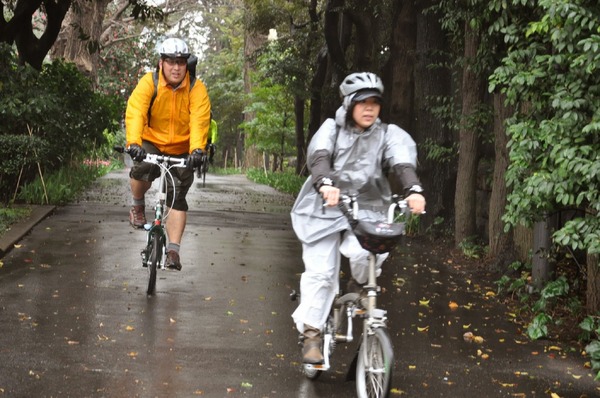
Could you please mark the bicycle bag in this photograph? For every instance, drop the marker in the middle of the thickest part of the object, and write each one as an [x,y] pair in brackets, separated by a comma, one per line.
[378,237]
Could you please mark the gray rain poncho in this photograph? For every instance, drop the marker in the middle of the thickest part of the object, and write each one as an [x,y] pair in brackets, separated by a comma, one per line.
[359,161]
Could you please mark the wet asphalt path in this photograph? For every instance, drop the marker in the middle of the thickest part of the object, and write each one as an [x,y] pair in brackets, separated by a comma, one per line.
[75,320]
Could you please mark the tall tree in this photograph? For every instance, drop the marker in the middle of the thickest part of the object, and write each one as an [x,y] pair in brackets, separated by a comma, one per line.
[20,29]
[551,78]
[472,89]
[79,39]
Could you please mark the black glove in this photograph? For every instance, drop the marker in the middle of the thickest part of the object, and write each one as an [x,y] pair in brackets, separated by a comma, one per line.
[136,152]
[195,159]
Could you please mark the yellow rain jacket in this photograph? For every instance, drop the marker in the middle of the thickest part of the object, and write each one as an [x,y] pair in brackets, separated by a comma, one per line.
[179,119]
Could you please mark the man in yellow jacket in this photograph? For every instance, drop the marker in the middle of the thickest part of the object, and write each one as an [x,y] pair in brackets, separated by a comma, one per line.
[176,125]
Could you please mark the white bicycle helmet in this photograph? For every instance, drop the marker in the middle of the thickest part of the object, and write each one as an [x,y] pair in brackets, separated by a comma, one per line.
[361,81]
[174,48]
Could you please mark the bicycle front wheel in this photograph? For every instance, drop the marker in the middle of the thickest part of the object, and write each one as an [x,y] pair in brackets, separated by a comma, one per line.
[155,258]
[374,365]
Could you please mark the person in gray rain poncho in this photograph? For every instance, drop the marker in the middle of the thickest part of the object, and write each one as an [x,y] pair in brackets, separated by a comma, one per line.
[347,154]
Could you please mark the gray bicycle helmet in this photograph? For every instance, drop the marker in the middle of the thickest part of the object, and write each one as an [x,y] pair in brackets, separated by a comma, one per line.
[174,48]
[364,82]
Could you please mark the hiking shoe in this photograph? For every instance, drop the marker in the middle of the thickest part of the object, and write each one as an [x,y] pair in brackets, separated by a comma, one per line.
[311,348]
[137,216]
[173,261]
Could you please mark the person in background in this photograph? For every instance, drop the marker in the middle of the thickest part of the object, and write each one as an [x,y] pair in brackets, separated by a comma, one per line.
[348,153]
[177,126]
[213,136]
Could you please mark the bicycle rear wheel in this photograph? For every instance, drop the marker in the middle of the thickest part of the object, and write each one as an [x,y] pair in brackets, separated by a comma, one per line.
[374,366]
[155,258]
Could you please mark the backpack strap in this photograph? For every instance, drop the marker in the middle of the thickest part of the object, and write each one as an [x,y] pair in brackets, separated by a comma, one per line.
[155,78]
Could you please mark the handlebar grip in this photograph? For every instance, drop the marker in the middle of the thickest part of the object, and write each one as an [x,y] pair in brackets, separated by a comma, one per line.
[120,149]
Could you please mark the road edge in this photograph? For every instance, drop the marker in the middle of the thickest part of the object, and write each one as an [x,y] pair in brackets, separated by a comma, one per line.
[22,228]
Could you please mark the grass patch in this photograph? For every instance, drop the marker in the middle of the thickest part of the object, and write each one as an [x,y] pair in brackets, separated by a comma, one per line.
[64,185]
[223,172]
[287,181]
[12,215]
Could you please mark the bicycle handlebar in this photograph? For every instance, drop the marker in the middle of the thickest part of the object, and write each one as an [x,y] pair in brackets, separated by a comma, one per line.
[348,204]
[156,159]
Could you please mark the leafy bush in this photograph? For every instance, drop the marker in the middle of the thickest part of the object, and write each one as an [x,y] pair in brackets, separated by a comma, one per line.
[287,182]
[63,185]
[19,155]
[58,107]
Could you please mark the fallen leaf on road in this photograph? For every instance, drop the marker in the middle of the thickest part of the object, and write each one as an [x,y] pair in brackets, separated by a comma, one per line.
[129,328]
[423,329]
[453,305]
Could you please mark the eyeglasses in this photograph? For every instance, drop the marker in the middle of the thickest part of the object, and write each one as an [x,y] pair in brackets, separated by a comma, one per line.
[175,61]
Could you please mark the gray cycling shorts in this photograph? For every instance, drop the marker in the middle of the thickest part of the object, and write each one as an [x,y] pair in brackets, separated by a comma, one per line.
[184,177]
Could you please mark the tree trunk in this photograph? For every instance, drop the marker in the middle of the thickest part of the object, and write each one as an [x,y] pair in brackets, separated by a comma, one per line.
[468,153]
[438,175]
[32,49]
[252,42]
[300,140]
[399,71]
[593,283]
[79,39]
[500,243]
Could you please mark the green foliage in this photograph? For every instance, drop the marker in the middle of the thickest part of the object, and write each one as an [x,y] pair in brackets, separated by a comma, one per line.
[271,129]
[222,70]
[551,77]
[593,350]
[19,156]
[591,332]
[555,293]
[55,110]
[287,182]
[518,285]
[63,185]
[10,215]
[471,248]
[123,63]
[439,153]
[552,291]
[538,328]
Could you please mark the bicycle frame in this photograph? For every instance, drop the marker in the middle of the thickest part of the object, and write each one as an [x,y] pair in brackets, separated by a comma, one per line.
[157,227]
[153,254]
[351,305]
